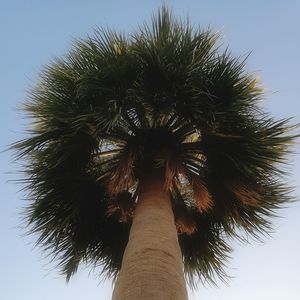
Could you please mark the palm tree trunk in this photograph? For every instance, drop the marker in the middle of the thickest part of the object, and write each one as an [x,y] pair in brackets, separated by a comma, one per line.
[152,263]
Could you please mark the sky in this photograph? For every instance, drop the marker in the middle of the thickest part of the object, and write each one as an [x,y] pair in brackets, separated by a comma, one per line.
[34,32]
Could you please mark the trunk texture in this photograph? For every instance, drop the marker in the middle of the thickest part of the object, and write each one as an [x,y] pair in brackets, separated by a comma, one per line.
[152,264]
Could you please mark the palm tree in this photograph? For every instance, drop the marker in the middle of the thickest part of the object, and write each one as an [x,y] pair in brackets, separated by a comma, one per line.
[147,154]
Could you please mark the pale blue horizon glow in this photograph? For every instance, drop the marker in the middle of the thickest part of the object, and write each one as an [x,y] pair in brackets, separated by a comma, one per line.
[34,32]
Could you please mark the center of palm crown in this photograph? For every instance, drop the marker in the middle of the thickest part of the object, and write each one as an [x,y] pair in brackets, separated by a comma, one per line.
[156,147]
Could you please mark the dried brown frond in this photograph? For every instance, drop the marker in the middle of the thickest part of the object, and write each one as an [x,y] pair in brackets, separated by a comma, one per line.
[245,194]
[122,177]
[185,224]
[123,204]
[201,195]
[172,169]
[111,209]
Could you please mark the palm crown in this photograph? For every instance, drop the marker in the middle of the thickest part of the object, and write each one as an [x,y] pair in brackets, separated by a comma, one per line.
[166,99]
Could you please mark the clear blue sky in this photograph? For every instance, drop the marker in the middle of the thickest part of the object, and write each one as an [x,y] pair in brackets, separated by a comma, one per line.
[33,32]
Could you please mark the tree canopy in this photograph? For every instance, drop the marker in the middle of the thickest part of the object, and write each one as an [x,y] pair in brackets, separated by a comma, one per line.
[166,97]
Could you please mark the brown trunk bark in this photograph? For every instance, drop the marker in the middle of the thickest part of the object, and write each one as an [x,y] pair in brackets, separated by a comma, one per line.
[152,263]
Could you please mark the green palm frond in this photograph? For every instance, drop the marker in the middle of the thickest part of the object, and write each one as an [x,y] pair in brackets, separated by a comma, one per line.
[166,97]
